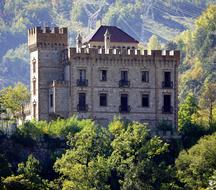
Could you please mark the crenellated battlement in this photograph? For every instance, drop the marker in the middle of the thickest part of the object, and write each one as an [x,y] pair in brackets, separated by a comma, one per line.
[124,52]
[55,30]
[47,37]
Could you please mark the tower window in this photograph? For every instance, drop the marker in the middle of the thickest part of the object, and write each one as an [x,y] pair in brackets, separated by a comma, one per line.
[103,76]
[103,99]
[34,110]
[34,65]
[145,100]
[34,86]
[51,100]
[145,76]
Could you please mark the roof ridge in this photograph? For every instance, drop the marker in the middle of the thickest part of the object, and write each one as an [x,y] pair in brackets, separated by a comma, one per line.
[118,35]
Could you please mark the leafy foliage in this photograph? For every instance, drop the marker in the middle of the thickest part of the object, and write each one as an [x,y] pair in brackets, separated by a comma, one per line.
[14,99]
[196,166]
[27,177]
[198,50]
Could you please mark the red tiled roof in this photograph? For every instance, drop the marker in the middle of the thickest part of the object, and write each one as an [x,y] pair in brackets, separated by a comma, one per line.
[117,35]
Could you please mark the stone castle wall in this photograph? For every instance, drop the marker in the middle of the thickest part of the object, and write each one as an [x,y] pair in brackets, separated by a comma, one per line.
[57,71]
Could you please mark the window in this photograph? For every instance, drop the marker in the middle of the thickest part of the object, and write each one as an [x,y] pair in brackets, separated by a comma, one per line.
[34,86]
[51,100]
[145,76]
[167,83]
[34,65]
[82,99]
[145,100]
[82,81]
[167,108]
[82,106]
[103,99]
[103,76]
[124,107]
[82,74]
[34,110]
[124,75]
[167,76]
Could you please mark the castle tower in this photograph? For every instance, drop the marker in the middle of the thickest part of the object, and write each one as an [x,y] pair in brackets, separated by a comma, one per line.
[45,46]
[107,37]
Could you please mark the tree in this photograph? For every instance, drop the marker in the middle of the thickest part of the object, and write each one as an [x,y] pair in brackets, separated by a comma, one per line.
[135,158]
[186,111]
[188,115]
[84,166]
[153,43]
[27,178]
[208,99]
[196,166]
[212,182]
[15,98]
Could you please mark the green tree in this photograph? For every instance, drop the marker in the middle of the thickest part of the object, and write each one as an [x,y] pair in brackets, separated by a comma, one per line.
[212,182]
[208,99]
[27,177]
[134,159]
[188,115]
[186,111]
[14,99]
[153,43]
[84,166]
[196,166]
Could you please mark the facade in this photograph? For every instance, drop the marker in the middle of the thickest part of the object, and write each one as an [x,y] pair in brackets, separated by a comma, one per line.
[104,76]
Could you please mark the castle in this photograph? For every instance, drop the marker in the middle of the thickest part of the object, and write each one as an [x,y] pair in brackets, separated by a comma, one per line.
[105,75]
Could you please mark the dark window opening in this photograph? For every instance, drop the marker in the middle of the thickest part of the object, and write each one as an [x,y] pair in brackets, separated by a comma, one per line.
[82,74]
[145,100]
[34,65]
[124,75]
[124,79]
[167,76]
[51,100]
[34,110]
[82,81]
[34,86]
[82,106]
[124,107]
[103,99]
[167,83]
[167,108]
[103,75]
[145,76]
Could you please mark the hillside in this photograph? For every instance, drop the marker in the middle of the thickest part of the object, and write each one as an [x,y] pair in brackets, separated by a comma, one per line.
[139,18]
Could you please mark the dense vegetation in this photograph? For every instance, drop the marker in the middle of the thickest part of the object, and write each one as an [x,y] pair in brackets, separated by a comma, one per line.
[165,19]
[78,154]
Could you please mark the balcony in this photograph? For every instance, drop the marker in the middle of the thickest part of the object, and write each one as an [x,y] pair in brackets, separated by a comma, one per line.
[82,107]
[124,109]
[167,109]
[167,84]
[124,83]
[82,82]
